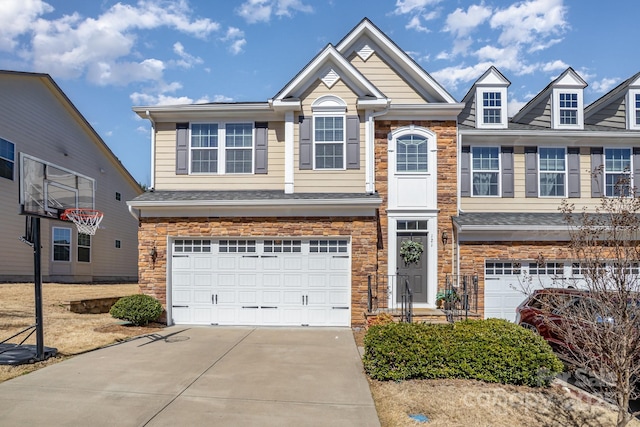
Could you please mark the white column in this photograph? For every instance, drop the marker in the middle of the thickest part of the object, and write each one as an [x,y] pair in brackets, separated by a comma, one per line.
[288,152]
[369,141]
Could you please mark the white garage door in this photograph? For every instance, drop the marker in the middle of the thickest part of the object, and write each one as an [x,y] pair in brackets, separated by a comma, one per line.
[261,282]
[506,284]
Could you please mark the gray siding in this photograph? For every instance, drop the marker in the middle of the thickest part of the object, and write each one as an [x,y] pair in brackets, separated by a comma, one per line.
[540,115]
[613,115]
[468,114]
[39,123]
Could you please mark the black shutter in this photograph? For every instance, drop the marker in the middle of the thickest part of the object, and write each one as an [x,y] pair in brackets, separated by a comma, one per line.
[261,149]
[531,171]
[306,143]
[507,171]
[465,172]
[182,148]
[353,142]
[597,172]
[573,168]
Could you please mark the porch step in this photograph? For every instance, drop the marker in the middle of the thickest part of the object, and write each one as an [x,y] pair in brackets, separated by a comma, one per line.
[420,315]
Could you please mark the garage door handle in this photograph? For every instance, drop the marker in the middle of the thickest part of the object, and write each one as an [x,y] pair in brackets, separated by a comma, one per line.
[267,306]
[268,256]
[250,256]
[341,256]
[340,308]
[180,306]
[180,256]
[250,306]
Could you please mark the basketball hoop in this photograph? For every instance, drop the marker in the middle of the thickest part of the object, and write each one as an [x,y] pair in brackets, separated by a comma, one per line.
[87,220]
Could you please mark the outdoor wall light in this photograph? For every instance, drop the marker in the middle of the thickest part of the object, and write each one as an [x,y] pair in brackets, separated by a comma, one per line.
[153,253]
[445,237]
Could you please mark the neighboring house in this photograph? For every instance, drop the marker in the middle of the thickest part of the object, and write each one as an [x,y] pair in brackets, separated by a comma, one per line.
[279,212]
[39,121]
[515,172]
[283,212]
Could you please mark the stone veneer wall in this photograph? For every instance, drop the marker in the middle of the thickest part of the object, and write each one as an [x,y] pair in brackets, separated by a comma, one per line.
[474,254]
[362,230]
[446,132]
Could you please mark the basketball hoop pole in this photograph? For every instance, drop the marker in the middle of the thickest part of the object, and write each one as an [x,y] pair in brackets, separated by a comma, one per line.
[37,278]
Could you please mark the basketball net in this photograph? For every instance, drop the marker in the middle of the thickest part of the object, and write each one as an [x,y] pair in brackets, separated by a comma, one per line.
[86,220]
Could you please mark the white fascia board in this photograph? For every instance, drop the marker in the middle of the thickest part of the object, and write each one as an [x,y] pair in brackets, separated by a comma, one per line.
[189,112]
[288,105]
[369,103]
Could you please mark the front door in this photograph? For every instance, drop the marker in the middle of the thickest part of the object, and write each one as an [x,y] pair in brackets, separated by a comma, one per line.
[416,273]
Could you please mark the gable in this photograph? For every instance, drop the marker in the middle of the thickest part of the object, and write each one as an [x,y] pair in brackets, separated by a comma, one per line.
[385,78]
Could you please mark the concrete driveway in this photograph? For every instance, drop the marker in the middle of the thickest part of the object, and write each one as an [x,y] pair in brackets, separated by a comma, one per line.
[193,376]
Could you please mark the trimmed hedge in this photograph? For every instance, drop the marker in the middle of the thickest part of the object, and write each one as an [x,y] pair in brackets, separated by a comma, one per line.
[490,350]
[138,309]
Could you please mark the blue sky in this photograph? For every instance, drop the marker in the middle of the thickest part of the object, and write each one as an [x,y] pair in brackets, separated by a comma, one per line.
[108,56]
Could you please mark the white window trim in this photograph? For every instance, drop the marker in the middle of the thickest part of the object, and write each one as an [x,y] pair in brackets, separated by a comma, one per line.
[604,168]
[472,170]
[555,109]
[540,172]
[329,106]
[632,113]
[480,124]
[53,244]
[222,147]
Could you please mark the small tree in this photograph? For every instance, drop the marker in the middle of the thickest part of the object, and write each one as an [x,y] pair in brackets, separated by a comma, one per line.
[602,331]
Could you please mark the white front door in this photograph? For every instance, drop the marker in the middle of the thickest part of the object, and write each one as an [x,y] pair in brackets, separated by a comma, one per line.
[261,282]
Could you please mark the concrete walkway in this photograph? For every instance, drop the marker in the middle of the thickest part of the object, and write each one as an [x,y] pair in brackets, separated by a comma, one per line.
[193,376]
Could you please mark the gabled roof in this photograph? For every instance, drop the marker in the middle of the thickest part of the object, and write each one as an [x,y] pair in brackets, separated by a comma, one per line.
[46,80]
[490,78]
[419,79]
[329,59]
[569,78]
[614,94]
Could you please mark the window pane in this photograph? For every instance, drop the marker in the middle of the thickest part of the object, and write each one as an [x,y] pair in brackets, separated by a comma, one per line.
[239,135]
[7,159]
[329,129]
[84,254]
[329,156]
[491,103]
[61,244]
[485,183]
[568,108]
[204,135]
[411,154]
[637,108]
[618,160]
[239,161]
[552,184]
[485,158]
[204,161]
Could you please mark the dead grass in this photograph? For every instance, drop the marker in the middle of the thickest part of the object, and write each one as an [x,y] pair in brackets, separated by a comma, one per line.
[70,333]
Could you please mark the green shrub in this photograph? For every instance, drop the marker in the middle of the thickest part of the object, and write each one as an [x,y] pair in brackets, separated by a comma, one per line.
[490,350]
[138,309]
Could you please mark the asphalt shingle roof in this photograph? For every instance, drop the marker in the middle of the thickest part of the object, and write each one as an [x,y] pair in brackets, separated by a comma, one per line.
[510,219]
[161,196]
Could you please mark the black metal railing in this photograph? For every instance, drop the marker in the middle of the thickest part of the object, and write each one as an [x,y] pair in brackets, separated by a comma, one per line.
[460,296]
[390,294]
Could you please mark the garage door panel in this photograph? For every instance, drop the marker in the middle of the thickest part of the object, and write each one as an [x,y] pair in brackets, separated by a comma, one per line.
[256,282]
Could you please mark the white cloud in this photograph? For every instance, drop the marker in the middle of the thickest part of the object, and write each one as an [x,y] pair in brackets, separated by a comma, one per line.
[604,85]
[413,6]
[186,60]
[236,38]
[261,10]
[17,18]
[530,21]
[103,48]
[221,98]
[451,77]
[462,23]
[514,105]
[142,129]
[414,24]
[554,66]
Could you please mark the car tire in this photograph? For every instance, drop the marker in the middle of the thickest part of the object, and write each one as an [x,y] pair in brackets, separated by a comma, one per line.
[529,327]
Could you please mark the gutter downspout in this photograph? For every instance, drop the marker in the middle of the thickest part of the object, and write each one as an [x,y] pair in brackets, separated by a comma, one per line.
[152,178]
[134,212]
[370,139]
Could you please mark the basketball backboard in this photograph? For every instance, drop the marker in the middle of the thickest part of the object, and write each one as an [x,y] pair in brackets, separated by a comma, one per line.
[46,190]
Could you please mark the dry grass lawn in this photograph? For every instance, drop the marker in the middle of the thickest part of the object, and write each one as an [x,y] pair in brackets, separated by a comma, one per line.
[70,333]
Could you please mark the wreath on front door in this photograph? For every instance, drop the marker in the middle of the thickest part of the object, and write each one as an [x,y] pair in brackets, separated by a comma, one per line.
[411,251]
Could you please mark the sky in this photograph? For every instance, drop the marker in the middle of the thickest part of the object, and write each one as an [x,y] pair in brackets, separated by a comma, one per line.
[108,56]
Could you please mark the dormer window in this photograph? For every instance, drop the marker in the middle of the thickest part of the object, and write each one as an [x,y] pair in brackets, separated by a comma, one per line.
[567,109]
[634,109]
[491,108]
